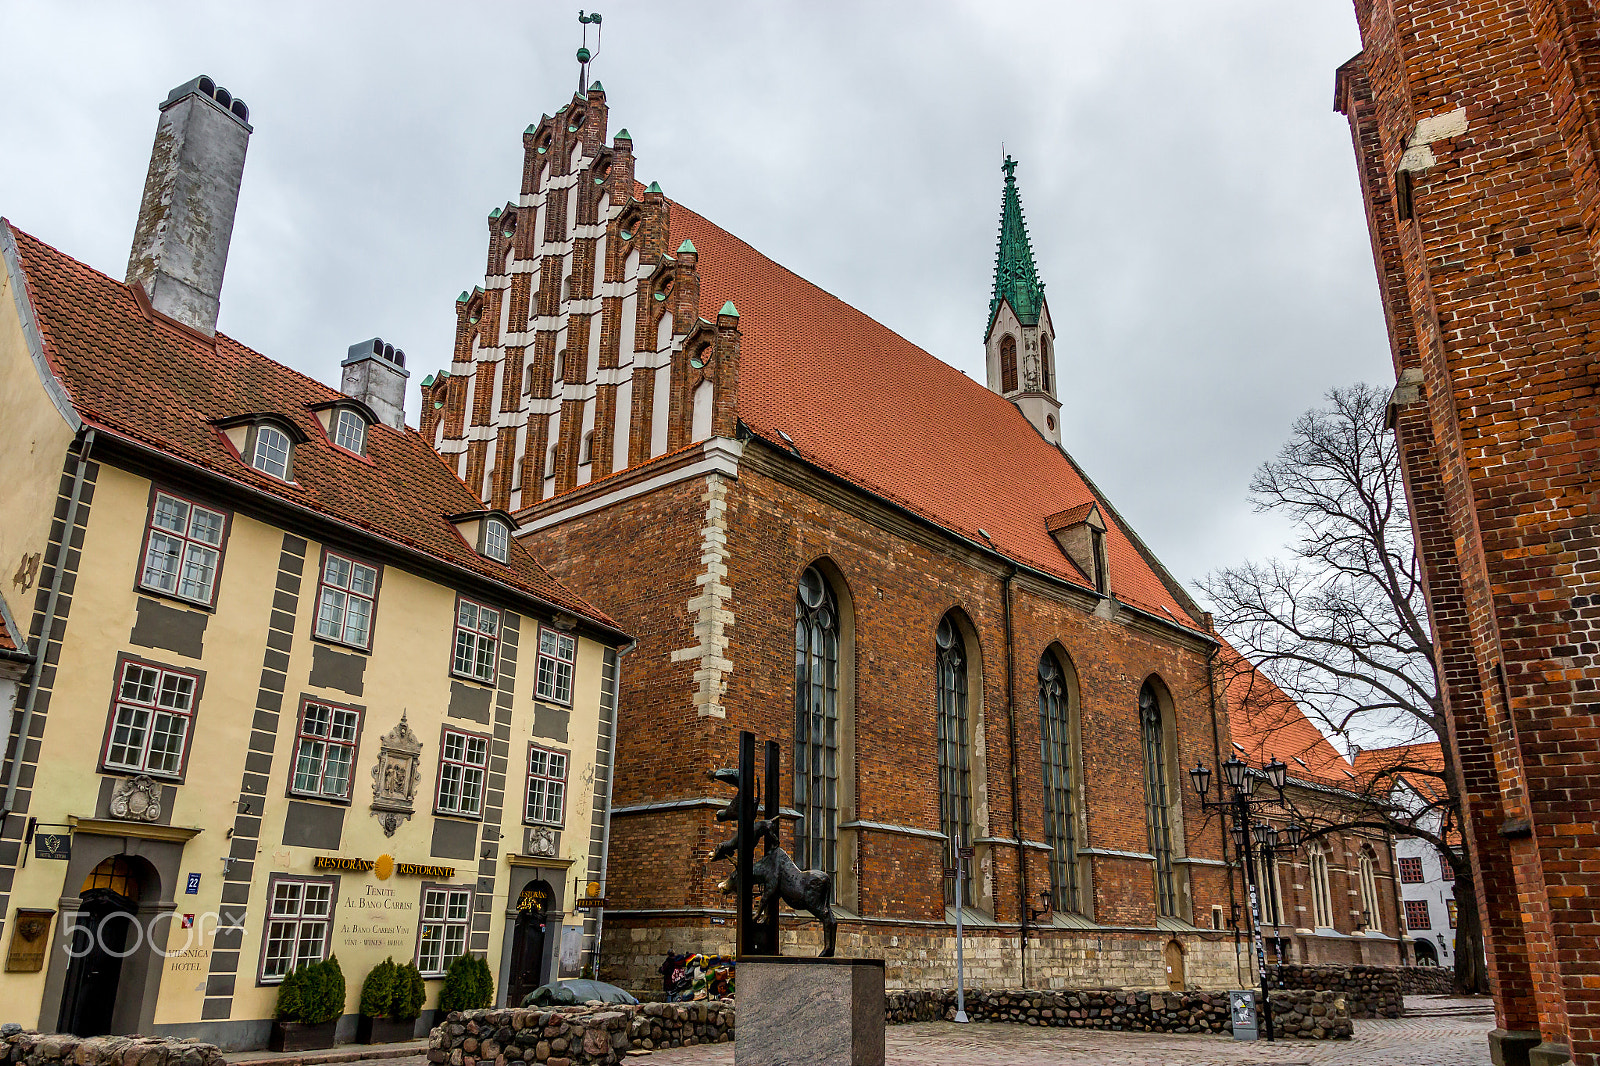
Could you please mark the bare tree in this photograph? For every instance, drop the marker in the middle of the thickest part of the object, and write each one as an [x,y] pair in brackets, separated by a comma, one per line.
[1342,628]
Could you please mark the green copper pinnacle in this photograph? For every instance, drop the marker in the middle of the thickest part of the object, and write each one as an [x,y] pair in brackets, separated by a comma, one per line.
[1016,280]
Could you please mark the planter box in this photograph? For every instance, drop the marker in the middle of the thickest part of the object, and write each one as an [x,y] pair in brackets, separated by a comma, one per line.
[384,1030]
[296,1036]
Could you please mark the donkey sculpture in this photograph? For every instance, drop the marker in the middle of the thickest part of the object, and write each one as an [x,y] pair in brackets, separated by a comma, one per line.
[777,876]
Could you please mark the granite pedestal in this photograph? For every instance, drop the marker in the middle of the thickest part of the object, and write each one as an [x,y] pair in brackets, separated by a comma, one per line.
[810,1012]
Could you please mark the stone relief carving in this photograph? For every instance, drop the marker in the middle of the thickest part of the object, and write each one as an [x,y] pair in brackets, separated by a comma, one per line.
[395,777]
[542,842]
[136,799]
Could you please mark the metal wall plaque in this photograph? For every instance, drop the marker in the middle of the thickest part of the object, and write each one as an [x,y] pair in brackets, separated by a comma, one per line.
[30,936]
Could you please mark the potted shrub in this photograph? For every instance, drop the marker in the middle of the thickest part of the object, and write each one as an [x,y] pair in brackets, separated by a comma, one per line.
[468,985]
[380,1022]
[310,1001]
[409,994]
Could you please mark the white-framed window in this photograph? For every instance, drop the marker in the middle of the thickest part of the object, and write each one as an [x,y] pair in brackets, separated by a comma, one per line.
[326,750]
[151,720]
[183,549]
[496,540]
[463,761]
[346,596]
[547,787]
[271,452]
[350,431]
[557,654]
[442,934]
[477,641]
[299,916]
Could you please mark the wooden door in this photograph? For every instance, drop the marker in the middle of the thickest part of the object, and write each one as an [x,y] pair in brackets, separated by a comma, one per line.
[1174,958]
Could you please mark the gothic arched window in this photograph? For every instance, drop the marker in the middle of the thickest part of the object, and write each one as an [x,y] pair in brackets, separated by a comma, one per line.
[1057,711]
[1321,892]
[1008,364]
[1044,362]
[1158,799]
[955,780]
[1368,867]
[816,723]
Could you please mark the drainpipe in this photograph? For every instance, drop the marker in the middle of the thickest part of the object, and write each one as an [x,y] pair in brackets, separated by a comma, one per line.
[1016,808]
[611,778]
[51,602]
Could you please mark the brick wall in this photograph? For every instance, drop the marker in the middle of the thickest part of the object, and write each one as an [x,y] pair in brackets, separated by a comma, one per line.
[1480,115]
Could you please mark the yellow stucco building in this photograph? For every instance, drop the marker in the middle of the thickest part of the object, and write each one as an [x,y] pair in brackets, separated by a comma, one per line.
[290,692]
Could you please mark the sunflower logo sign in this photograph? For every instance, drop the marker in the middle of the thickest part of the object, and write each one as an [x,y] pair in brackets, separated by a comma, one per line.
[384,867]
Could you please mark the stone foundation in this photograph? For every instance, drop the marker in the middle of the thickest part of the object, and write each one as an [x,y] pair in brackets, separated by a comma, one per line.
[573,1035]
[58,1049]
[925,957]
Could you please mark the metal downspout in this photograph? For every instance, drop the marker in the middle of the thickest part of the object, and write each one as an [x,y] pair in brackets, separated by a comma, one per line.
[46,634]
[1222,824]
[1016,809]
[611,778]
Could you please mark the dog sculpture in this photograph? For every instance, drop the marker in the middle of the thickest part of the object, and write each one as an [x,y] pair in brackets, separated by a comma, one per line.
[776,874]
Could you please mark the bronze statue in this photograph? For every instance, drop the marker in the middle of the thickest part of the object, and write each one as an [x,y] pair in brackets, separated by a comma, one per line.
[775,873]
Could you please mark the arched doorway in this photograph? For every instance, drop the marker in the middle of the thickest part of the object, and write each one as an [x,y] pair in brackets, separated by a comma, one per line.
[1176,978]
[105,931]
[530,941]
[1426,955]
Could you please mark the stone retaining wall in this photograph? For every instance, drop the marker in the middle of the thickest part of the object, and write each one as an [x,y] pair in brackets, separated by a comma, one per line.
[57,1049]
[1427,981]
[1369,991]
[572,1035]
[1300,1015]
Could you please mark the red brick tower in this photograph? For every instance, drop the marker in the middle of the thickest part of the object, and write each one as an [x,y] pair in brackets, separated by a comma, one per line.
[1475,128]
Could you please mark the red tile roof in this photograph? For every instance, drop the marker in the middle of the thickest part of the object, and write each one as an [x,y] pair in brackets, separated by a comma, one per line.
[144,378]
[1268,724]
[1400,760]
[869,406]
[1068,518]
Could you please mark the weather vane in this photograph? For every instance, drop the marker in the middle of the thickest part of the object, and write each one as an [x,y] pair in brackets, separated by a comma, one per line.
[584,55]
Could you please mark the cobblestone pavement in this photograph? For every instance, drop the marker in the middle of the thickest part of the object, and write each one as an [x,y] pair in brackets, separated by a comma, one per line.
[1450,1041]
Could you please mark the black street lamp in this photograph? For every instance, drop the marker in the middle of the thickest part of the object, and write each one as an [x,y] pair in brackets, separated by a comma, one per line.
[1238,800]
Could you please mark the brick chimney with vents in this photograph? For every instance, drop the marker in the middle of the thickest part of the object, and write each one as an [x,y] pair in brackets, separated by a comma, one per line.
[180,244]
[375,373]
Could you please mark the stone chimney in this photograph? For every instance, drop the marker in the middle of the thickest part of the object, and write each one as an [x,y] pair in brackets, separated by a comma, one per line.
[180,245]
[375,373]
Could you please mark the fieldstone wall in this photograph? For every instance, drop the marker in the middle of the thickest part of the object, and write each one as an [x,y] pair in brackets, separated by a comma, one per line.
[1369,991]
[36,1049]
[1300,1015]
[1427,981]
[572,1035]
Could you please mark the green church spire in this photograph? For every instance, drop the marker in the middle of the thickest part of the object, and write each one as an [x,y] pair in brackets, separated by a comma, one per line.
[1015,278]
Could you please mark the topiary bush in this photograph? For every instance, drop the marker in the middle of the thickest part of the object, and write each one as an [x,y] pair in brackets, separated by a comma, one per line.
[468,985]
[378,990]
[291,996]
[323,994]
[409,993]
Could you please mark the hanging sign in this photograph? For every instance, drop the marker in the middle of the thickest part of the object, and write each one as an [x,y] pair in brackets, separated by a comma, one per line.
[52,845]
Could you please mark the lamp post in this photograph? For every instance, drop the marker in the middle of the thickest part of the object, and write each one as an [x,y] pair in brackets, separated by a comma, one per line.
[1236,798]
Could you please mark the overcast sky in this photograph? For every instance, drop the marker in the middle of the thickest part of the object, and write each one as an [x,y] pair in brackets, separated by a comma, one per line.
[1191,195]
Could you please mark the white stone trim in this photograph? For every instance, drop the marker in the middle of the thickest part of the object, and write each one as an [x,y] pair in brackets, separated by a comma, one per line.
[720,456]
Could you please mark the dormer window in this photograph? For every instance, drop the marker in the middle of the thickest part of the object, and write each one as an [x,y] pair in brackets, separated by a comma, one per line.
[350,432]
[496,540]
[271,451]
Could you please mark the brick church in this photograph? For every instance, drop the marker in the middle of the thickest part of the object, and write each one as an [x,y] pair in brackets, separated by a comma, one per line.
[826,535]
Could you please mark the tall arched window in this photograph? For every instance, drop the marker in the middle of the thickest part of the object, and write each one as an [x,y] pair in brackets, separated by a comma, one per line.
[1158,799]
[816,723]
[1321,894]
[1368,867]
[1057,734]
[1044,362]
[1268,891]
[955,780]
[1008,364]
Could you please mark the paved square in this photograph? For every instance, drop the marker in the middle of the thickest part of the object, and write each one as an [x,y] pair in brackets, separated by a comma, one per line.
[1445,1041]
